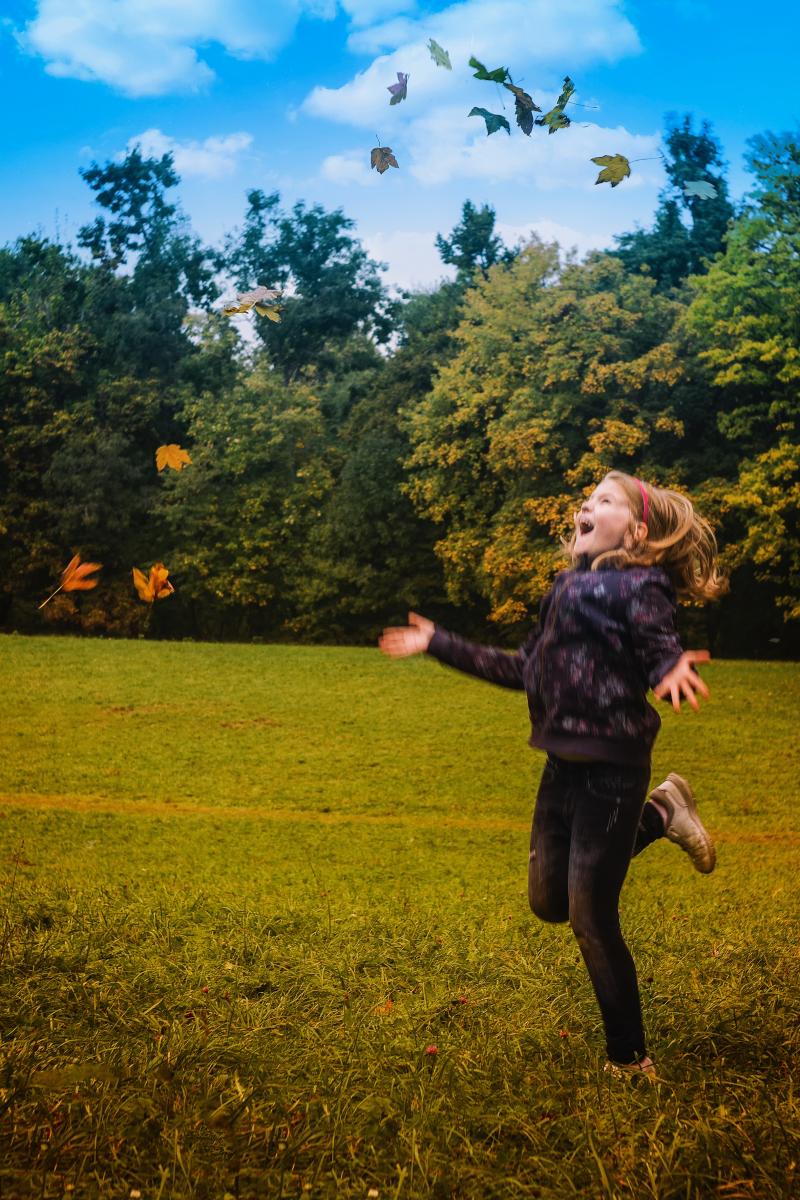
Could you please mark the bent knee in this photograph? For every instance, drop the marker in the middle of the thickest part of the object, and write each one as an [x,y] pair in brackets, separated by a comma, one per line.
[547,908]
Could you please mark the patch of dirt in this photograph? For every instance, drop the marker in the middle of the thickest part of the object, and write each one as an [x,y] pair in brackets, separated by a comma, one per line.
[249,723]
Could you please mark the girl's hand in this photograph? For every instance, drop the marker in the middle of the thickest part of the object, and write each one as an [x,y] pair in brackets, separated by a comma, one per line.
[683,679]
[403,640]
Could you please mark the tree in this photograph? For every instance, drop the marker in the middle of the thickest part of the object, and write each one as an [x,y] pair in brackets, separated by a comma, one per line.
[745,317]
[473,246]
[688,231]
[560,375]
[332,288]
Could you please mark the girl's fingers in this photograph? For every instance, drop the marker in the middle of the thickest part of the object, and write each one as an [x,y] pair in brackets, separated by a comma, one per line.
[697,656]
[686,688]
[673,690]
[698,684]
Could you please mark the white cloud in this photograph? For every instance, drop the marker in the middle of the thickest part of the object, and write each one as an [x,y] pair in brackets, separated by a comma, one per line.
[351,167]
[148,47]
[211,159]
[412,258]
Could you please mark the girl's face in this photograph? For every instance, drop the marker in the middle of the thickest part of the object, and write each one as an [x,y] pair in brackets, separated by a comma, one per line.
[603,522]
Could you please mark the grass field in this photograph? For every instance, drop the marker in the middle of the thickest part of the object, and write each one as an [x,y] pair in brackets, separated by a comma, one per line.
[247,889]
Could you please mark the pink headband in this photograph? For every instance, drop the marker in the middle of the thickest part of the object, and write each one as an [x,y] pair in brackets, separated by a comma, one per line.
[645,501]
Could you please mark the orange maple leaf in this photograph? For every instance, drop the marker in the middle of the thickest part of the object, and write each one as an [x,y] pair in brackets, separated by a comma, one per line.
[73,578]
[172,456]
[156,587]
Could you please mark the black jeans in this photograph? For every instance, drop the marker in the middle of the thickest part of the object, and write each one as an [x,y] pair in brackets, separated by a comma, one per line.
[590,819]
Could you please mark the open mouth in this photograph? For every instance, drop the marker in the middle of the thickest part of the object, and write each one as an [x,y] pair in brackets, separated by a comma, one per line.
[585,525]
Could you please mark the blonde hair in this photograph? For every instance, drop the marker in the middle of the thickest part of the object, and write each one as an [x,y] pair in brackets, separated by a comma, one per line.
[678,539]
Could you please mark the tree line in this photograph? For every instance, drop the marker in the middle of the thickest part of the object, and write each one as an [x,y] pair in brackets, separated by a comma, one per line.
[368,453]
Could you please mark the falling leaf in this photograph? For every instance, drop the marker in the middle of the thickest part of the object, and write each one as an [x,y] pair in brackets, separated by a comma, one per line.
[499,75]
[172,456]
[383,1010]
[700,188]
[432,1050]
[273,313]
[156,587]
[259,295]
[556,118]
[399,90]
[73,578]
[258,298]
[524,107]
[493,121]
[439,56]
[615,168]
[382,158]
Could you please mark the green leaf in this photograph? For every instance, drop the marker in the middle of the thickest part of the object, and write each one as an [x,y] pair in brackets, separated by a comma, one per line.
[439,56]
[499,75]
[566,91]
[493,121]
[72,1074]
[555,119]
[615,168]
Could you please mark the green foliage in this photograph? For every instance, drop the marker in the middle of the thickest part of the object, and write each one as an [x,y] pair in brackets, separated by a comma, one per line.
[673,248]
[745,317]
[473,246]
[559,375]
[332,288]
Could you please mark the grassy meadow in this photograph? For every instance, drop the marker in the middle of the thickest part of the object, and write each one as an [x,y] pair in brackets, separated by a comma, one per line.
[264,933]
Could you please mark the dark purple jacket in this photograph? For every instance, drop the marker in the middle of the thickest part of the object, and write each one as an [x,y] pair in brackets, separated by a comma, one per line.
[603,639]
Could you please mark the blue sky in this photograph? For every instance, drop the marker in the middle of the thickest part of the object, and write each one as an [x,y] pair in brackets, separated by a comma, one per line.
[289,95]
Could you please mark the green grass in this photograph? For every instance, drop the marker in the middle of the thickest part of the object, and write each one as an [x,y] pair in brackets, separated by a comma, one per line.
[218,864]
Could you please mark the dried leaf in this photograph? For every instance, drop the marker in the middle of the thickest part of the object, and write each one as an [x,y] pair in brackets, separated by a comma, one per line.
[246,300]
[700,188]
[274,314]
[173,456]
[499,75]
[73,578]
[154,587]
[524,107]
[439,56]
[259,295]
[382,158]
[615,168]
[493,121]
[399,90]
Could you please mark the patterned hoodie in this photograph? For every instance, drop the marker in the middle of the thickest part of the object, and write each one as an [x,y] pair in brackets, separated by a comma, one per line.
[603,639]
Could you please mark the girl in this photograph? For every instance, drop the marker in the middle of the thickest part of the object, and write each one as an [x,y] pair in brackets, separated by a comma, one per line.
[606,634]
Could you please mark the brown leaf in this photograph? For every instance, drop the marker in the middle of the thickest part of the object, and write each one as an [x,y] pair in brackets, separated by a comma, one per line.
[382,158]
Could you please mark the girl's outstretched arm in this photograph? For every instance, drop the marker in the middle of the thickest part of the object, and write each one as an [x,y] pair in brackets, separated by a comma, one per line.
[484,662]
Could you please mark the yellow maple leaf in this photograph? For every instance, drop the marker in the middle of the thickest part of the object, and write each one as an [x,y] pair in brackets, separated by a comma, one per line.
[615,168]
[156,586]
[173,456]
